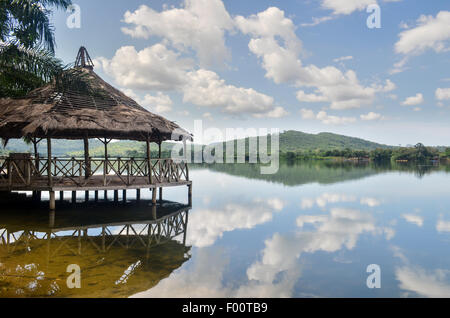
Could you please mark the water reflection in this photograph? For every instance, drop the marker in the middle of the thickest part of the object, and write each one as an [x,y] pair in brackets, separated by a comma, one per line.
[120,250]
[324,172]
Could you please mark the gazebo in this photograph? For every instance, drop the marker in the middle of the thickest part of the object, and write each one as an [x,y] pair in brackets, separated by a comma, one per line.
[80,105]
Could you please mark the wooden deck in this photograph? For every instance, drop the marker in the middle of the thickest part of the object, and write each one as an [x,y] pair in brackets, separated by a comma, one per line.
[72,174]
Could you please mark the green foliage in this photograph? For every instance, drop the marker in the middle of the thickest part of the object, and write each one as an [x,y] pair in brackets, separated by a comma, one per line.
[27,45]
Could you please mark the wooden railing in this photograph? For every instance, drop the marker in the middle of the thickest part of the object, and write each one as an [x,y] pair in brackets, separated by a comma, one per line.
[95,172]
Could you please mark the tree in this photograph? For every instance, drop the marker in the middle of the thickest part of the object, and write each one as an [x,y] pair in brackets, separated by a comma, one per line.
[27,45]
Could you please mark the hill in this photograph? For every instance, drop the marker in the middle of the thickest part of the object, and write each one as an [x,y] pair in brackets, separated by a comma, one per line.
[290,141]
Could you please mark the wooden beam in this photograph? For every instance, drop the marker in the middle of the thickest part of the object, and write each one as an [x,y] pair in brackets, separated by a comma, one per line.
[159,150]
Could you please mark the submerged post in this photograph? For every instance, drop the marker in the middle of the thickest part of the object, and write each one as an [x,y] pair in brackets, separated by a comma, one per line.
[52,200]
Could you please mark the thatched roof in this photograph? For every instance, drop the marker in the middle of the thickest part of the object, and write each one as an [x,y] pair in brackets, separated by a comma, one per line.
[80,104]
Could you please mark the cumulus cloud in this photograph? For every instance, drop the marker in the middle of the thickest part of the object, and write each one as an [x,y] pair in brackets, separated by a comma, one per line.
[326,198]
[274,41]
[159,103]
[199,25]
[206,88]
[339,229]
[432,283]
[413,100]
[413,219]
[371,116]
[207,225]
[325,118]
[346,6]
[153,68]
[161,69]
[442,94]
[443,226]
[430,33]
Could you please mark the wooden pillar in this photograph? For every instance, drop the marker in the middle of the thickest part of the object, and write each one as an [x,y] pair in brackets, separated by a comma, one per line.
[86,196]
[36,154]
[52,200]
[74,196]
[154,196]
[159,150]
[106,195]
[160,194]
[87,172]
[96,195]
[49,162]
[124,195]
[149,162]
[51,219]
[116,195]
[184,149]
[138,194]
[61,195]
[106,157]
[190,194]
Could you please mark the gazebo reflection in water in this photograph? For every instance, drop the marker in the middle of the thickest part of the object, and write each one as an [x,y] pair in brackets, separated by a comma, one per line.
[78,104]
[120,249]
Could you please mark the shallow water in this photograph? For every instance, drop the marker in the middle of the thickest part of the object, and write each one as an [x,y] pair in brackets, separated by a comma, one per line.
[309,231]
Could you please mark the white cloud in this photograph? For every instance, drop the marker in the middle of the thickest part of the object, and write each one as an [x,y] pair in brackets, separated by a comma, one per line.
[430,33]
[339,229]
[160,103]
[274,41]
[153,68]
[413,100]
[442,93]
[327,198]
[199,25]
[161,69]
[414,219]
[443,226]
[346,6]
[425,283]
[207,225]
[325,118]
[371,116]
[343,58]
[371,202]
[206,88]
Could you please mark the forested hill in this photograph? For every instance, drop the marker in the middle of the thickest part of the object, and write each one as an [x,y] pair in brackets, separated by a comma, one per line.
[296,140]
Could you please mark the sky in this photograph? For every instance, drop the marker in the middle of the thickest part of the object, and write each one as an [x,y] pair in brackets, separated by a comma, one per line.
[344,66]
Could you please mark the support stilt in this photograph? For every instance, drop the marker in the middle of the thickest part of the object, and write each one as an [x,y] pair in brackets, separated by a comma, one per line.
[74,197]
[138,194]
[116,195]
[160,194]
[154,196]
[96,195]
[52,200]
[190,194]
[124,195]
[61,195]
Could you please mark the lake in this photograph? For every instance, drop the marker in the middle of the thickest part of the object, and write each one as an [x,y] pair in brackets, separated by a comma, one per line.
[311,230]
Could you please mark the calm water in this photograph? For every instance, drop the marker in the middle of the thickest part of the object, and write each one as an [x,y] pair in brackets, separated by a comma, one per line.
[309,231]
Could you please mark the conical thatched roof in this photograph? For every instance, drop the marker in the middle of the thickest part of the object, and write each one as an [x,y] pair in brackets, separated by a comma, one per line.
[80,104]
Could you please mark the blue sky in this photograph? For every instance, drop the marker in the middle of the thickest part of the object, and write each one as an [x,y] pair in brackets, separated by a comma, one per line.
[310,65]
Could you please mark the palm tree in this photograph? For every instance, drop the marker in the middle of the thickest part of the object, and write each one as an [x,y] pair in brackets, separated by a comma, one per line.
[27,45]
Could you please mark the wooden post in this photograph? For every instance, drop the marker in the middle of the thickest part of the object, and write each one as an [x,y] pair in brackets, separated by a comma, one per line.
[138,194]
[49,161]
[61,195]
[149,162]
[106,195]
[159,150]
[160,194]
[124,195]
[86,196]
[51,219]
[74,197]
[52,200]
[87,171]
[96,195]
[154,196]
[116,195]
[36,154]
[190,194]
